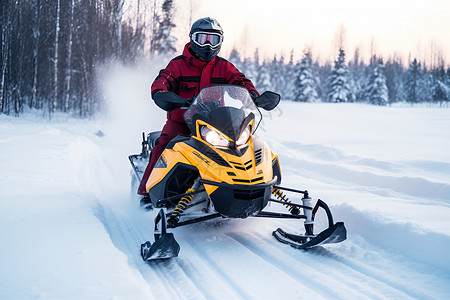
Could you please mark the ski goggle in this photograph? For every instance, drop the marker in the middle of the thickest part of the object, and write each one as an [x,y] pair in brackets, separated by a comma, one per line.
[204,38]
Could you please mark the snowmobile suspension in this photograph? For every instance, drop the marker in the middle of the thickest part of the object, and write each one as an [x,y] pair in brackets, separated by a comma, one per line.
[282,198]
[181,206]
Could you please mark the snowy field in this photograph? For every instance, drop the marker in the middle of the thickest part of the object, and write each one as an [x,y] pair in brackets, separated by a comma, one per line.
[69,228]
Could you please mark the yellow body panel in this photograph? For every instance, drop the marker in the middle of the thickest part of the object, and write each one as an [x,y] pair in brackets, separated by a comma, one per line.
[241,170]
[246,169]
[170,157]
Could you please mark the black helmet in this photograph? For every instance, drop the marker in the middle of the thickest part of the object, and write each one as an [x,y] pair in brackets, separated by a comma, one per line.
[206,38]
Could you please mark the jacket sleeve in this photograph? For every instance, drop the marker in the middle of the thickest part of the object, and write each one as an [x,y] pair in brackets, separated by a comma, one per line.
[167,80]
[238,78]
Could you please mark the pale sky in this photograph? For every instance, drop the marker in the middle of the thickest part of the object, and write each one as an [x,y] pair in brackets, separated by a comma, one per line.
[399,27]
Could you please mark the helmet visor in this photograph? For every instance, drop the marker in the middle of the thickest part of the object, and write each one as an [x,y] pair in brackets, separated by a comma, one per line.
[204,38]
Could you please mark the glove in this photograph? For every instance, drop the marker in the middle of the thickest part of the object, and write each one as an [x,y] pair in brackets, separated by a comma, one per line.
[169,100]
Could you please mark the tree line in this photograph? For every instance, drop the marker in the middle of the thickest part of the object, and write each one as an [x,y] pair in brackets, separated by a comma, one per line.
[51,50]
[378,82]
[51,53]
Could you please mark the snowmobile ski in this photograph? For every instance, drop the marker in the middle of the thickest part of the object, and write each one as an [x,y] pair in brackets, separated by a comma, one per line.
[165,245]
[334,234]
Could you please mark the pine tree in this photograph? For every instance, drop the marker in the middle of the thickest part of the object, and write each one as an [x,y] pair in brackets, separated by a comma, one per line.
[447,83]
[357,71]
[394,79]
[377,91]
[412,82]
[277,72]
[263,80]
[289,78]
[305,82]
[235,59]
[339,81]
[440,93]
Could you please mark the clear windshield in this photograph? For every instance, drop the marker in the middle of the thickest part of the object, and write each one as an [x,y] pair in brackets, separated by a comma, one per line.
[214,97]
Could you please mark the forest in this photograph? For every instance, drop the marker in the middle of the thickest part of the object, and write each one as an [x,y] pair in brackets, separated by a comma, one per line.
[52,53]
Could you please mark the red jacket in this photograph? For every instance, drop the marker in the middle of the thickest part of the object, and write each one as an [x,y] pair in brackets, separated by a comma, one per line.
[186,75]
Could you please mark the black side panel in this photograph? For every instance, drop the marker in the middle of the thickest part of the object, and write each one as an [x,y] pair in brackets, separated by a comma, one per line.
[276,169]
[208,151]
[177,181]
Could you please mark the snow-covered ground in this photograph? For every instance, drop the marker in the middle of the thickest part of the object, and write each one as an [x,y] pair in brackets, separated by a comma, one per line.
[69,228]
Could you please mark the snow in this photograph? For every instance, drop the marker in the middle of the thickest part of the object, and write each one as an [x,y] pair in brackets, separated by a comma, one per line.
[70,229]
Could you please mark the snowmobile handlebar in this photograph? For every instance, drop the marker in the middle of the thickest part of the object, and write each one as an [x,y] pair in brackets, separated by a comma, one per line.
[268,100]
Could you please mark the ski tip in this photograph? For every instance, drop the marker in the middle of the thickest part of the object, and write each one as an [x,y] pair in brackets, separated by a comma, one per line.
[165,247]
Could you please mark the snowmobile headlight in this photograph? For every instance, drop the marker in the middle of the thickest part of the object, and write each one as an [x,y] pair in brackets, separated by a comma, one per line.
[243,139]
[214,137]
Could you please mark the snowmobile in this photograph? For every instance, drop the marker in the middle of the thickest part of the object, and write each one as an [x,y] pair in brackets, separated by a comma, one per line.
[222,170]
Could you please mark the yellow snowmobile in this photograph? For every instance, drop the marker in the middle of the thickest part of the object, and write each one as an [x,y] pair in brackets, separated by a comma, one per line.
[223,170]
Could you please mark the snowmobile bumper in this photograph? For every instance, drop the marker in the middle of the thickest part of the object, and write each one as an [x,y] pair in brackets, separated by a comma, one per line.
[239,200]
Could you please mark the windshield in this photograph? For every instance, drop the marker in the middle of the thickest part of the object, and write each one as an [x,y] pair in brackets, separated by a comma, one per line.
[212,98]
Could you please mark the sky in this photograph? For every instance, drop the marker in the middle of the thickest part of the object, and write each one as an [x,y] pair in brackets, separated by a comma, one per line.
[402,27]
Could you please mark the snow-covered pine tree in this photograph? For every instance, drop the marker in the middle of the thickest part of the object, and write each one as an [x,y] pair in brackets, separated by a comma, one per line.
[235,59]
[357,71]
[377,91]
[447,83]
[277,72]
[305,82]
[163,43]
[263,80]
[289,78]
[339,81]
[412,82]
[250,69]
[440,93]
[426,85]
[394,79]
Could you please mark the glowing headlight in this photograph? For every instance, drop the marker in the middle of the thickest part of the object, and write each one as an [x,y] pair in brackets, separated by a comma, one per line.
[243,139]
[214,137]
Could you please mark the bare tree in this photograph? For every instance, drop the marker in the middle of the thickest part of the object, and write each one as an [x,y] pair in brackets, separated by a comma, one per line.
[4,55]
[69,58]
[118,23]
[55,59]
[37,36]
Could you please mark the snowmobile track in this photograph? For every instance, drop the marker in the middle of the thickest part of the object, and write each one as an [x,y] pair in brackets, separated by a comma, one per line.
[385,280]
[225,278]
[296,267]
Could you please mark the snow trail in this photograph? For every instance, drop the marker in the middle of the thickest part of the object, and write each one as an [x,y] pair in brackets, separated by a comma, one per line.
[67,198]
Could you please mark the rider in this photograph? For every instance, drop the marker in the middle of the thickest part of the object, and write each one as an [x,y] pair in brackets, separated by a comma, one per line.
[177,85]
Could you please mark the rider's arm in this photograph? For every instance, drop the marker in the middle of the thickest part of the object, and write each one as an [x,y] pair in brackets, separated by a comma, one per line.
[165,88]
[233,76]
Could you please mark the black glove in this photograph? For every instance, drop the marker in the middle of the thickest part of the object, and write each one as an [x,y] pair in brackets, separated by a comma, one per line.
[169,100]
